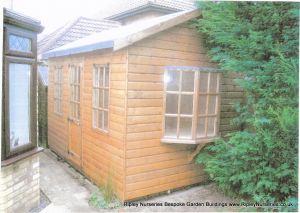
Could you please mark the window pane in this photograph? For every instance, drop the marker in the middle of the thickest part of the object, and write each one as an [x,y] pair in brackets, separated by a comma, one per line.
[95,77]
[19,104]
[95,118]
[210,126]
[170,127]
[105,120]
[78,93]
[203,82]
[188,81]
[95,97]
[19,43]
[106,99]
[213,82]
[61,76]
[185,128]
[172,80]
[78,75]
[201,127]
[100,119]
[101,73]
[100,98]
[212,104]
[186,106]
[202,104]
[107,77]
[172,104]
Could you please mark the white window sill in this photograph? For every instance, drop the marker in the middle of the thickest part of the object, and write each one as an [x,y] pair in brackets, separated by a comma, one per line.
[189,141]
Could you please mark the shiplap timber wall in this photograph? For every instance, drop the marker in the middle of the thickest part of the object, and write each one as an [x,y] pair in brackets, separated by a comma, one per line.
[102,154]
[132,152]
[152,166]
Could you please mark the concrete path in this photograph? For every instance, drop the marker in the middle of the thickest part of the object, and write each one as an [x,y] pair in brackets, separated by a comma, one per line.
[69,191]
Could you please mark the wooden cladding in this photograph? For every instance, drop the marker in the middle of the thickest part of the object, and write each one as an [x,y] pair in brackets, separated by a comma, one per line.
[191,106]
[58,89]
[75,75]
[100,96]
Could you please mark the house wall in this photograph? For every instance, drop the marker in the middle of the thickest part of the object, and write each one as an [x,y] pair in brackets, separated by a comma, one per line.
[152,166]
[19,185]
[102,154]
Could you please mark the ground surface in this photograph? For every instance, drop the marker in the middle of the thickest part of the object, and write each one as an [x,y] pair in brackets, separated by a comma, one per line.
[69,191]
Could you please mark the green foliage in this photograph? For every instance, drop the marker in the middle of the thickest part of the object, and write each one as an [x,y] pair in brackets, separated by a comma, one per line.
[97,200]
[104,198]
[108,190]
[259,40]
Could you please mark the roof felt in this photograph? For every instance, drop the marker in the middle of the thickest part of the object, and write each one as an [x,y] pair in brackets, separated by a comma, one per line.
[130,7]
[120,37]
[73,31]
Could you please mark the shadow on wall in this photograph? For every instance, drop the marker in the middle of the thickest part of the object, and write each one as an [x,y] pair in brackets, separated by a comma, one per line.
[43,106]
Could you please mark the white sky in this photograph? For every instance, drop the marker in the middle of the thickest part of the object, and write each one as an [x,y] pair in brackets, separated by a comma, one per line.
[55,13]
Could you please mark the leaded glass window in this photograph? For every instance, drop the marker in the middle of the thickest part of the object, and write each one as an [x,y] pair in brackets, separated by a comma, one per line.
[19,43]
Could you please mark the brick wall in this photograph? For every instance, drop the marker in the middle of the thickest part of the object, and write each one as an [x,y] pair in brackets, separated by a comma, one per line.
[19,185]
[231,93]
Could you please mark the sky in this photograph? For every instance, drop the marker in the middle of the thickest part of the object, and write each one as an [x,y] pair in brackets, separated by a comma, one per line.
[56,13]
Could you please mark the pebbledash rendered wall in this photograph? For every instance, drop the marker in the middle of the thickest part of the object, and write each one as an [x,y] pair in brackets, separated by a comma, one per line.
[19,185]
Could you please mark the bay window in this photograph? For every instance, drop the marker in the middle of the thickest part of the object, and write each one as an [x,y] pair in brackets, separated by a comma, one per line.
[191,105]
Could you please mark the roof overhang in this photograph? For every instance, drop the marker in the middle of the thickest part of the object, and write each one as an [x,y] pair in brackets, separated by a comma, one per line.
[124,36]
[80,49]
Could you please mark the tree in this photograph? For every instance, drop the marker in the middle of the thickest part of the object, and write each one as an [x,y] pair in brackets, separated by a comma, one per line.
[259,40]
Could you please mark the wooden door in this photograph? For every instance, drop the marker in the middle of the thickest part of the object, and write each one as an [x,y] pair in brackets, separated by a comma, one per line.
[75,146]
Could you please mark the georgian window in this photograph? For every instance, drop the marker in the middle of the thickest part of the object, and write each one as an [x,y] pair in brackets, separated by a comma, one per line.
[100,97]
[58,89]
[191,105]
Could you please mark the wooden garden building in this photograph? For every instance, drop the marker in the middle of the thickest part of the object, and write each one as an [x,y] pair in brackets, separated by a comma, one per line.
[136,102]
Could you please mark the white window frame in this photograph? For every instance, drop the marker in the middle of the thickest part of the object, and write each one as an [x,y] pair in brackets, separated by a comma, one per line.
[194,139]
[97,90]
[58,79]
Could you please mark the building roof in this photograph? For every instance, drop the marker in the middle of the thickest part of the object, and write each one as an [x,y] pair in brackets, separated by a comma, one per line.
[129,7]
[75,30]
[20,20]
[121,37]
